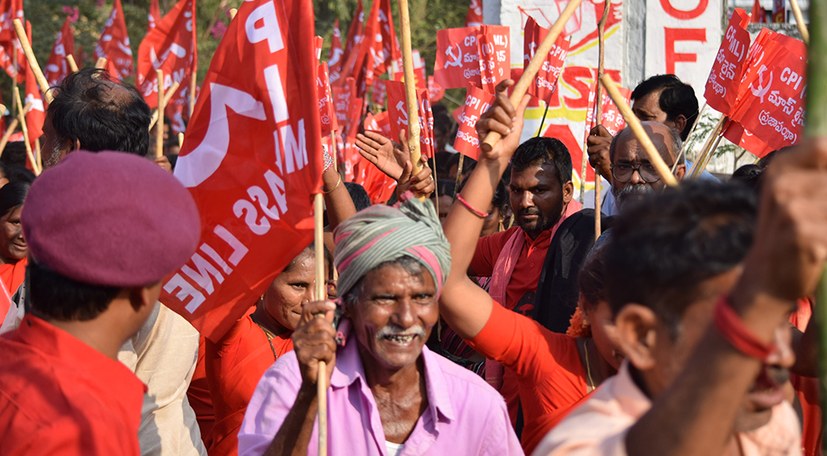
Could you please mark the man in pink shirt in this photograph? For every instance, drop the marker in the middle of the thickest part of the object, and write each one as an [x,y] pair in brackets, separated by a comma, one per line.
[701,290]
[388,393]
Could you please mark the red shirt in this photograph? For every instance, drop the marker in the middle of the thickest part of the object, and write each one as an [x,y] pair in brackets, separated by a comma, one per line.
[523,284]
[61,396]
[551,378]
[234,367]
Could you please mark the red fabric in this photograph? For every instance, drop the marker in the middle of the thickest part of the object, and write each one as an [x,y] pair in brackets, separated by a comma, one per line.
[335,61]
[732,328]
[251,160]
[757,16]
[37,115]
[495,55]
[9,47]
[550,375]
[170,47]
[327,112]
[114,44]
[467,141]
[398,115]
[545,83]
[60,396]
[154,15]
[807,389]
[199,397]
[57,68]
[474,16]
[13,274]
[234,367]
[457,57]
[722,85]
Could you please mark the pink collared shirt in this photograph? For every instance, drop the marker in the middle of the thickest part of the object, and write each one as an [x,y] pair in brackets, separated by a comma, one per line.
[600,424]
[465,416]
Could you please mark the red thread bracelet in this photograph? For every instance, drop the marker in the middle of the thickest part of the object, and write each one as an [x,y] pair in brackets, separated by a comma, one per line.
[733,329]
[472,209]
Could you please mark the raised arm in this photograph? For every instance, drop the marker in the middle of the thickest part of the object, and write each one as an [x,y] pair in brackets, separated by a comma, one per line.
[337,200]
[695,415]
[464,305]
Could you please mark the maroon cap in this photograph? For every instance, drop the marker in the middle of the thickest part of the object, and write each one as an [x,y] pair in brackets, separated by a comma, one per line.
[110,218]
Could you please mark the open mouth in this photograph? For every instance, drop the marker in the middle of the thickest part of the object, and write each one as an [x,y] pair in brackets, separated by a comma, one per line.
[400,339]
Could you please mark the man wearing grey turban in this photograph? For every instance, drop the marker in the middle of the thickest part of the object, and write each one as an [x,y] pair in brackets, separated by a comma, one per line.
[388,393]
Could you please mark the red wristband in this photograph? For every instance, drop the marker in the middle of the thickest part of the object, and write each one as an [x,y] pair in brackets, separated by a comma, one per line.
[733,329]
[472,209]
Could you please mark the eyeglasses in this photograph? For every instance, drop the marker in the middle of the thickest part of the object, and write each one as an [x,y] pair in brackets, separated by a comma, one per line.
[623,172]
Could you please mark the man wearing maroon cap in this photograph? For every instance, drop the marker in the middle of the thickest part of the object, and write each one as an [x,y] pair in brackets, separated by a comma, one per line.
[98,252]
[92,112]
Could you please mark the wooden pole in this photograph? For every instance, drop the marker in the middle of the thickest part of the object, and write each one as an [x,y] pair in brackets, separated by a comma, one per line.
[709,147]
[24,128]
[799,21]
[637,129]
[73,66]
[101,63]
[159,127]
[33,65]
[193,88]
[410,87]
[233,12]
[11,127]
[816,127]
[598,108]
[166,98]
[321,380]
[533,66]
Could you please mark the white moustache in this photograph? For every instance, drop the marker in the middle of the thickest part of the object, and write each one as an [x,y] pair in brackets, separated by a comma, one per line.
[396,331]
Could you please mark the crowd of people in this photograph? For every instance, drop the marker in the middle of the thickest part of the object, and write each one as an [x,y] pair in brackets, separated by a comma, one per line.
[498,325]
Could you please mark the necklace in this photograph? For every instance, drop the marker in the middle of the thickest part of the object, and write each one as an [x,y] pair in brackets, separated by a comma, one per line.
[269,334]
[590,385]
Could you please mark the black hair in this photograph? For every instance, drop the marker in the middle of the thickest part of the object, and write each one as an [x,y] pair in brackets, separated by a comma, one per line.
[14,154]
[543,151]
[662,249]
[12,196]
[676,98]
[360,197]
[57,297]
[99,113]
[15,173]
[591,280]
[748,175]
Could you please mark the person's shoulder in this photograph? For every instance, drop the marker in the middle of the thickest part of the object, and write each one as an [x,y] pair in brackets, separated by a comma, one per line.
[501,237]
[458,378]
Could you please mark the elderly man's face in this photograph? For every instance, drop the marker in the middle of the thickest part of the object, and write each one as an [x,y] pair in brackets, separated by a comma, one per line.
[393,316]
[633,175]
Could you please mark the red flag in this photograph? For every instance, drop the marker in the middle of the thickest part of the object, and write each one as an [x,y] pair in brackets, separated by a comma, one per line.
[772,105]
[722,85]
[398,116]
[477,102]
[114,44]
[457,55]
[343,97]
[354,32]
[610,116]
[736,133]
[495,55]
[779,11]
[474,16]
[359,61]
[390,45]
[379,92]
[327,112]
[251,159]
[757,15]
[11,55]
[169,47]
[435,91]
[31,94]
[154,15]
[545,83]
[57,68]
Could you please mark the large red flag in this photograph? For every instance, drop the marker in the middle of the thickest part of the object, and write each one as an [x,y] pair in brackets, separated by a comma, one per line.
[114,44]
[545,83]
[757,16]
[474,16]
[477,102]
[169,47]
[354,32]
[56,67]
[457,57]
[31,94]
[334,61]
[252,158]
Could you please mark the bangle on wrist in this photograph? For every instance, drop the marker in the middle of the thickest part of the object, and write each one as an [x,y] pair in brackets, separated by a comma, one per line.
[737,334]
[472,209]
[338,183]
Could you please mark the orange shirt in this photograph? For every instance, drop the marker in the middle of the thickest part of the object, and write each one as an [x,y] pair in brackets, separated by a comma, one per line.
[199,397]
[61,396]
[519,293]
[551,377]
[234,366]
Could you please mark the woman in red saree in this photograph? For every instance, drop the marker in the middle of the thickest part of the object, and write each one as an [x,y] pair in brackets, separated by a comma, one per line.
[13,251]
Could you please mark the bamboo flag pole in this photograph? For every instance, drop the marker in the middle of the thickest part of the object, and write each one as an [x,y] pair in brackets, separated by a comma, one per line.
[193,88]
[24,128]
[634,124]
[10,129]
[73,66]
[159,126]
[101,63]
[410,87]
[233,12]
[709,146]
[33,65]
[321,379]
[598,109]
[799,21]
[521,87]
[167,97]
[816,127]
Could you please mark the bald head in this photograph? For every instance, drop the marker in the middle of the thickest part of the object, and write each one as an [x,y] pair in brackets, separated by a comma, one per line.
[633,174]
